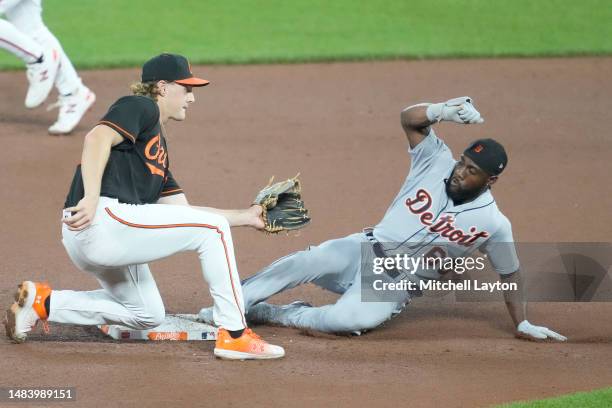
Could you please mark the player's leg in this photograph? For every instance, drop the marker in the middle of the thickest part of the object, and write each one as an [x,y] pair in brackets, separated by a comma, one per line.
[123,234]
[133,234]
[19,44]
[330,265]
[348,315]
[129,297]
[41,64]
[75,98]
[27,17]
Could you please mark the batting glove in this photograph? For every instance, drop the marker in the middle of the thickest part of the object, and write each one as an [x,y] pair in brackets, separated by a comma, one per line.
[458,110]
[538,332]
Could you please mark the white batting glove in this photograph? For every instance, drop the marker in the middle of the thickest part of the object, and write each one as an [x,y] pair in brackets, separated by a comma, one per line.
[528,330]
[458,110]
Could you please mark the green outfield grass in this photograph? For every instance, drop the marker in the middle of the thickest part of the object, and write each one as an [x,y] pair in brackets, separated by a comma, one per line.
[595,399]
[110,33]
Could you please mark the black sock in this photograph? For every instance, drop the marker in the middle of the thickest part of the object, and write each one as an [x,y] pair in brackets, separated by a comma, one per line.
[48,304]
[39,60]
[235,333]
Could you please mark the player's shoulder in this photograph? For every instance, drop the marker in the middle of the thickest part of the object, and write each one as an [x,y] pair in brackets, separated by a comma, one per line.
[132,114]
[487,208]
[499,218]
[136,104]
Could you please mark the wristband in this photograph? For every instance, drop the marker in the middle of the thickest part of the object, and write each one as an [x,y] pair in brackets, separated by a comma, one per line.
[434,112]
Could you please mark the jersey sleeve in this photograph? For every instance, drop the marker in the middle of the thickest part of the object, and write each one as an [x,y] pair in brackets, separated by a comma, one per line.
[171,187]
[426,154]
[131,115]
[501,251]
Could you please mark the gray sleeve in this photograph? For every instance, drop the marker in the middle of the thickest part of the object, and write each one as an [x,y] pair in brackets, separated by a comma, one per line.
[425,155]
[501,251]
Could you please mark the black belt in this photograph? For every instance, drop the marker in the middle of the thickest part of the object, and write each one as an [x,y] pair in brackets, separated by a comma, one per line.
[379,251]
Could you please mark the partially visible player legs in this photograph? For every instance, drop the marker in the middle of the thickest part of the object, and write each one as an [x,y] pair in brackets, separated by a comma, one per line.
[75,98]
[332,261]
[123,238]
[348,315]
[129,298]
[332,264]
[123,234]
[19,44]
[42,64]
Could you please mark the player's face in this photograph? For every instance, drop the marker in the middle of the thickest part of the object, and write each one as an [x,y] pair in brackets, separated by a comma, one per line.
[177,100]
[467,180]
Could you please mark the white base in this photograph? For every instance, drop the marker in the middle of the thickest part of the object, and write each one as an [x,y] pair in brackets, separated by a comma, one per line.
[183,327]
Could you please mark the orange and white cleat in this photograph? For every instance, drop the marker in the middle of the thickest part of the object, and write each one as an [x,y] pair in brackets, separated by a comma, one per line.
[27,310]
[249,346]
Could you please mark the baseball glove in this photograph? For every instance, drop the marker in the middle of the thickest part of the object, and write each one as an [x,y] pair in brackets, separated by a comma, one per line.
[283,208]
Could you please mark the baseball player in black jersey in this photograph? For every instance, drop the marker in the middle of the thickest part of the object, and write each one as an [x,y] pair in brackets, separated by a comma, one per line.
[124,209]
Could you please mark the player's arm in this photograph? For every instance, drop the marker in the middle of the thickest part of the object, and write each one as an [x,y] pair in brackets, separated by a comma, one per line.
[250,217]
[417,119]
[96,151]
[415,123]
[517,308]
[501,252]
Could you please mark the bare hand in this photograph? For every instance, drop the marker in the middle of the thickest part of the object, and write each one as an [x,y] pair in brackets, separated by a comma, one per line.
[82,215]
[254,217]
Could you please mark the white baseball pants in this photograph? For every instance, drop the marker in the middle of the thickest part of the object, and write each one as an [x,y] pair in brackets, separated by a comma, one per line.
[116,248]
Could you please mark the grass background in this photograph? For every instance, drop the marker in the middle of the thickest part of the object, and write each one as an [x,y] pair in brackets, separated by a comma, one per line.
[596,399]
[112,33]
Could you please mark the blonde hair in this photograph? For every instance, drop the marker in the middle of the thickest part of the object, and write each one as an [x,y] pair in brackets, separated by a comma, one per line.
[145,89]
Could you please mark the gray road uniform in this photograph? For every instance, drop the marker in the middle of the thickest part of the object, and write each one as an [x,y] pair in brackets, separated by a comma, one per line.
[421,214]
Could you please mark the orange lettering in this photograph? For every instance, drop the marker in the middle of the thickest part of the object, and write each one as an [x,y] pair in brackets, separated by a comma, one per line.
[162,155]
[148,153]
[155,170]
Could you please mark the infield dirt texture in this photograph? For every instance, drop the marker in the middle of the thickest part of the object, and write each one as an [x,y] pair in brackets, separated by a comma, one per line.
[339,125]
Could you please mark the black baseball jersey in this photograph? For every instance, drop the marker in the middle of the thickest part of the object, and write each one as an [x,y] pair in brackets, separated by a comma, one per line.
[137,169]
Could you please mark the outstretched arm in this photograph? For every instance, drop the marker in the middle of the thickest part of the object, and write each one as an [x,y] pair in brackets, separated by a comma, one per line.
[417,119]
[250,217]
[517,308]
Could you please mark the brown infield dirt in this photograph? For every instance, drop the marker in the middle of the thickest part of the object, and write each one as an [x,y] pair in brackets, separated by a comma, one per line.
[338,124]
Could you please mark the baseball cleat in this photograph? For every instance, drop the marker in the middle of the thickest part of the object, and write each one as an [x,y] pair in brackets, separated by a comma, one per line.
[206,316]
[72,108]
[27,310]
[249,346]
[263,312]
[41,76]
[299,303]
